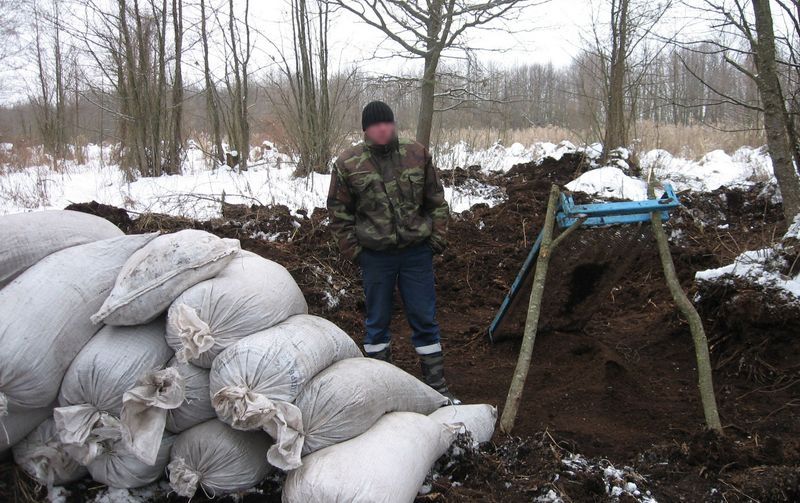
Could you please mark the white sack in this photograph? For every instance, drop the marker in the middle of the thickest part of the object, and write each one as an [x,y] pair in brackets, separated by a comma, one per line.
[155,275]
[116,467]
[478,420]
[387,464]
[254,381]
[250,294]
[347,398]
[15,426]
[29,237]
[41,454]
[106,368]
[44,317]
[196,406]
[217,459]
[148,408]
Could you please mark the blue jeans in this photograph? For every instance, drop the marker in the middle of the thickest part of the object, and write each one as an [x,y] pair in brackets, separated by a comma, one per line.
[411,270]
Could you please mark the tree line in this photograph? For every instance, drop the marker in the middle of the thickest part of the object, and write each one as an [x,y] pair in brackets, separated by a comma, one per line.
[117,71]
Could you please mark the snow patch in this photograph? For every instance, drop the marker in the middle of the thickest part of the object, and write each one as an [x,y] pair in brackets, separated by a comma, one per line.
[759,267]
[610,182]
[714,170]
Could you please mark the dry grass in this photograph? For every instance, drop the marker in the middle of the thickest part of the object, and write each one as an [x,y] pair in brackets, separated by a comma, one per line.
[694,141]
[690,142]
[486,137]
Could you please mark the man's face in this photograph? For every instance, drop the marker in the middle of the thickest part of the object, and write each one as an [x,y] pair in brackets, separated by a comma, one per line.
[381,133]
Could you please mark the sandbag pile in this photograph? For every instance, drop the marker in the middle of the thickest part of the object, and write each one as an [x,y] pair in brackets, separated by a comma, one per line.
[128,357]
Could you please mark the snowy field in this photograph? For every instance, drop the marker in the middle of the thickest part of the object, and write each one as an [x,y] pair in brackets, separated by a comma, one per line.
[198,191]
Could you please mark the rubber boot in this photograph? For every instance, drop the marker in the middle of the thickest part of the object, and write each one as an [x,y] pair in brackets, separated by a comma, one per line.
[433,375]
[384,354]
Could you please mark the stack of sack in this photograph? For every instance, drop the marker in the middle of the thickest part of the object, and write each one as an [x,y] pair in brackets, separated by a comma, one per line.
[128,356]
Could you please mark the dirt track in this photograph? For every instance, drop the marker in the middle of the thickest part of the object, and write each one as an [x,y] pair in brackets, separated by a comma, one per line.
[613,374]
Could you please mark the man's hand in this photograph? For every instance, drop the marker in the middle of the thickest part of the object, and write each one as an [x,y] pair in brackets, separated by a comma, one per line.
[437,244]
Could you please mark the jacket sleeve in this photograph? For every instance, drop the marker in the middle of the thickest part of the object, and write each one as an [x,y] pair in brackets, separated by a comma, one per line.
[435,205]
[341,213]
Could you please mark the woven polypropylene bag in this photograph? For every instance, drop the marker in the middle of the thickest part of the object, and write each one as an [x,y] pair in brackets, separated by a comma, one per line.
[254,381]
[478,420]
[386,464]
[216,459]
[41,454]
[155,275]
[196,407]
[29,237]
[44,317]
[250,294]
[347,398]
[105,369]
[14,427]
[116,467]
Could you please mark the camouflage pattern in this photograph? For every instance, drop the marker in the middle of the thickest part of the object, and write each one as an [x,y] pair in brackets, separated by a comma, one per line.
[384,354]
[433,374]
[386,197]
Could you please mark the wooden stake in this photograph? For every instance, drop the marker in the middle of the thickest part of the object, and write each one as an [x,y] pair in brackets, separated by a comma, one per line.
[704,380]
[534,310]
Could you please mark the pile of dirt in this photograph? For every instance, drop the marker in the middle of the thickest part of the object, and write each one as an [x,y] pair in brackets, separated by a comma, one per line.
[613,374]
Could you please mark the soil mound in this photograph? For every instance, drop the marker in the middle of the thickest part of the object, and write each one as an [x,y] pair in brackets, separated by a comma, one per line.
[613,370]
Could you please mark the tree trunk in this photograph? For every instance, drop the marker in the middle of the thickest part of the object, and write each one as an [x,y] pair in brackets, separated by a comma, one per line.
[211,100]
[532,321]
[769,87]
[427,97]
[705,382]
[616,130]
[177,89]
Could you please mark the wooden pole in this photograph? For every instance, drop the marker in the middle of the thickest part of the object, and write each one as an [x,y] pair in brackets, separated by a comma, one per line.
[704,380]
[534,310]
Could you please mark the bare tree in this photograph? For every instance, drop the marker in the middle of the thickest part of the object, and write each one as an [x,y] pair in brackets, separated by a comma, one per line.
[51,101]
[621,60]
[308,102]
[212,107]
[750,49]
[616,134]
[174,161]
[128,41]
[781,138]
[236,32]
[426,30]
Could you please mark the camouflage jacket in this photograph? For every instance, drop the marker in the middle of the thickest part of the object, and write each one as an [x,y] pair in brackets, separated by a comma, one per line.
[385,197]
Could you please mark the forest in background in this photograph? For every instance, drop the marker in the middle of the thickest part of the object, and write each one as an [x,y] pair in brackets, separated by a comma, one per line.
[148,76]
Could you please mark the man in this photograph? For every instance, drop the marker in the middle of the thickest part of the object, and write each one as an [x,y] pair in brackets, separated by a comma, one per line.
[388,214]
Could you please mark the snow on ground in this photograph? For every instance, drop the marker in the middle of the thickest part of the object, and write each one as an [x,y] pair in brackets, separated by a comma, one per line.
[199,190]
[609,182]
[762,268]
[758,268]
[196,193]
[714,170]
[619,483]
[499,158]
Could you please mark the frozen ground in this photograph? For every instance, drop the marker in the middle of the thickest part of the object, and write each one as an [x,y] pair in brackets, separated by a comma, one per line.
[765,269]
[714,170]
[198,191]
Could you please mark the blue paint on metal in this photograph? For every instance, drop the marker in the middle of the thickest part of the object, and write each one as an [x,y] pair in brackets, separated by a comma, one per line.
[599,214]
[624,212]
[515,287]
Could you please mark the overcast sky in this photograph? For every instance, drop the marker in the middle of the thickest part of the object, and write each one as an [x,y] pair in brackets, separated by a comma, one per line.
[547,33]
[553,32]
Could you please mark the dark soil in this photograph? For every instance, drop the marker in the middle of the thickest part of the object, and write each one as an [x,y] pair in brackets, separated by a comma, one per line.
[613,374]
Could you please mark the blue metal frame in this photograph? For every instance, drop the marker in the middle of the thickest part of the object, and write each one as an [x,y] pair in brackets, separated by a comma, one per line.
[597,214]
[624,212]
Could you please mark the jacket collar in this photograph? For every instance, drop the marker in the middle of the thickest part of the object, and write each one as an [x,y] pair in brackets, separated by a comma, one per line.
[382,150]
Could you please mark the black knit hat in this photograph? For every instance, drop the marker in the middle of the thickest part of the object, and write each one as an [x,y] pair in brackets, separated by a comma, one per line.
[375,112]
